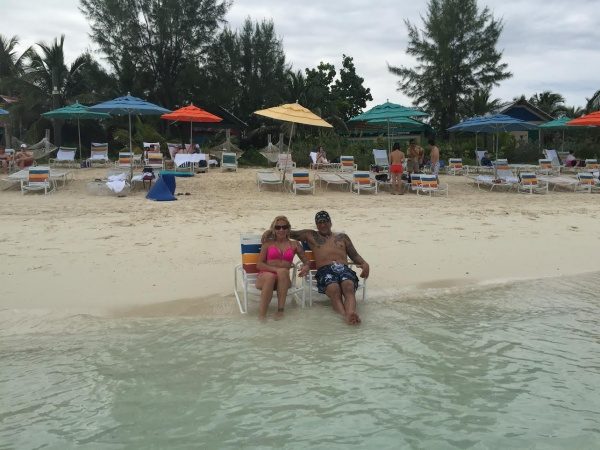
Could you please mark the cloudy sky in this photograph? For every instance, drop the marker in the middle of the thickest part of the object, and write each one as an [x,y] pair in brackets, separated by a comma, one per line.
[548,44]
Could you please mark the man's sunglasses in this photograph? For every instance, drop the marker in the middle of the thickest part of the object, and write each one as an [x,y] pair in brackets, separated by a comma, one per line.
[282,227]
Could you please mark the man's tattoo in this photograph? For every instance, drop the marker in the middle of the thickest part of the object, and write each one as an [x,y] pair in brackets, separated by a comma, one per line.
[319,240]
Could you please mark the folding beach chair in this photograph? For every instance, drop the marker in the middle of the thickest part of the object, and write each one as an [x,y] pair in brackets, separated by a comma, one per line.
[268,178]
[65,156]
[546,167]
[586,182]
[591,165]
[154,160]
[301,182]
[310,290]
[504,173]
[125,160]
[530,184]
[347,164]
[284,162]
[244,277]
[362,182]
[559,181]
[455,166]
[415,181]
[98,153]
[38,179]
[552,155]
[429,184]
[229,161]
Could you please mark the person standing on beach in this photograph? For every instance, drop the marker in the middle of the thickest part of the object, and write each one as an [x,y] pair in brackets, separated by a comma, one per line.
[434,157]
[396,169]
[415,158]
[334,278]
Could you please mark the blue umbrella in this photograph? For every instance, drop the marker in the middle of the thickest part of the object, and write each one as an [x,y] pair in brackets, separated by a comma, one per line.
[492,124]
[3,112]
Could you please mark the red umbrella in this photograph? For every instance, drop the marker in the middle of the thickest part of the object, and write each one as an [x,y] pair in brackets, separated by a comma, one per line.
[191,114]
[590,120]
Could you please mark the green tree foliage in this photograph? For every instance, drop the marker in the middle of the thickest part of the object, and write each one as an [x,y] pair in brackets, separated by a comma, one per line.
[348,91]
[550,102]
[456,56]
[479,103]
[245,70]
[151,43]
[593,103]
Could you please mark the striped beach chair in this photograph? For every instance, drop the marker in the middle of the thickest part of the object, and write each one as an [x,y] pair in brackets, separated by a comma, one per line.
[309,283]
[125,160]
[38,179]
[244,278]
[546,167]
[586,182]
[591,165]
[530,184]
[347,164]
[99,153]
[301,182]
[429,184]
[154,160]
[362,182]
[455,166]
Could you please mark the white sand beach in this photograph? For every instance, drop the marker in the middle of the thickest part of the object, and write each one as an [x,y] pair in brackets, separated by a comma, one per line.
[76,252]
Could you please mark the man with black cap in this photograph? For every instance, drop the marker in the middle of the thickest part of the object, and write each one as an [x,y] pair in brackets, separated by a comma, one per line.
[334,278]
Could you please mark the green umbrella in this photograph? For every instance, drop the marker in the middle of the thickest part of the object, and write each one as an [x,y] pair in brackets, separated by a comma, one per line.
[75,111]
[559,124]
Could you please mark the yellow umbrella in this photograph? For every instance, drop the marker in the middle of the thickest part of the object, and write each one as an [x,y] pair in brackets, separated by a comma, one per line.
[294,113]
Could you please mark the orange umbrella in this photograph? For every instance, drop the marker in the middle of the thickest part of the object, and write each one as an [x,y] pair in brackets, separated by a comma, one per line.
[191,114]
[590,120]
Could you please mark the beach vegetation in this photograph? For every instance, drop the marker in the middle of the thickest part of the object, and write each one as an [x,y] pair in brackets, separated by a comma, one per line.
[456,55]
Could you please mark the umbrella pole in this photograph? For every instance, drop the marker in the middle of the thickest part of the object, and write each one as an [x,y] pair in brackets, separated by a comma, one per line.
[191,140]
[562,145]
[130,151]
[389,142]
[289,153]
[79,134]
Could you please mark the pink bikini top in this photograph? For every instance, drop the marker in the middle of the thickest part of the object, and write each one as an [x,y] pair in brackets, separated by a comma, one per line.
[273,252]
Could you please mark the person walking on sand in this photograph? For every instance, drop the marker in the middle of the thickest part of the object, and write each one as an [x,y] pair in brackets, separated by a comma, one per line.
[274,263]
[334,278]
[434,157]
[396,169]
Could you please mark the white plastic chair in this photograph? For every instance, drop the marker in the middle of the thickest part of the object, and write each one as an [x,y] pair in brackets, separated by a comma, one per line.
[64,156]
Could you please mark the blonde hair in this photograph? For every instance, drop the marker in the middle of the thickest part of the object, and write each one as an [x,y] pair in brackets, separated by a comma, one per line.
[279,219]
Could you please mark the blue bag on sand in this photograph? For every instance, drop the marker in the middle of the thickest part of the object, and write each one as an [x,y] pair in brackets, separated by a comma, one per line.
[163,190]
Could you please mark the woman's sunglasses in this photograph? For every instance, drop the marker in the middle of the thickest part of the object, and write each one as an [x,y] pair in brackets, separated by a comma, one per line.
[282,227]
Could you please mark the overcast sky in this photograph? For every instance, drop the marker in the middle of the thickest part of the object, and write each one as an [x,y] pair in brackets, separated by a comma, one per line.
[548,44]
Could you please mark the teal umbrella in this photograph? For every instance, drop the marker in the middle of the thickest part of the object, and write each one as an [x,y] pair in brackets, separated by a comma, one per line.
[559,124]
[75,111]
[392,115]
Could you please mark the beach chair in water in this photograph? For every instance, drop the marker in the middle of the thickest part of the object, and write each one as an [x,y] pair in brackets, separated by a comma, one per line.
[38,179]
[310,291]
[244,277]
[530,184]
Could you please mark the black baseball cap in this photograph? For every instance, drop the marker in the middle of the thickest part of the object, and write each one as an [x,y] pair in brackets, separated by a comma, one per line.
[322,216]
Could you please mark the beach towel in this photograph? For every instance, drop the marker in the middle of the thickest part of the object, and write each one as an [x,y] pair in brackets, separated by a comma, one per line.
[116,183]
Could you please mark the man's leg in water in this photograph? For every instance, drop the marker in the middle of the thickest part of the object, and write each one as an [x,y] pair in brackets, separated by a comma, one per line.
[350,302]
[334,292]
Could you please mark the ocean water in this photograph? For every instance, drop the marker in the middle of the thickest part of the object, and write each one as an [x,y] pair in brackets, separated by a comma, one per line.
[507,366]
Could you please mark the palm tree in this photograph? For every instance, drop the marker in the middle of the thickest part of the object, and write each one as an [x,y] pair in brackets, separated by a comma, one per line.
[550,102]
[593,104]
[573,111]
[11,65]
[480,103]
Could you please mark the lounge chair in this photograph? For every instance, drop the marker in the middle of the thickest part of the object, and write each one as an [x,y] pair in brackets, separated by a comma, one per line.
[154,160]
[545,167]
[415,181]
[505,173]
[362,182]
[559,181]
[98,153]
[318,166]
[552,155]
[301,182]
[530,184]
[38,179]
[65,156]
[331,178]
[455,166]
[591,165]
[244,277]
[229,161]
[309,283]
[586,182]
[284,162]
[347,164]
[381,159]
[430,185]
[268,178]
[125,160]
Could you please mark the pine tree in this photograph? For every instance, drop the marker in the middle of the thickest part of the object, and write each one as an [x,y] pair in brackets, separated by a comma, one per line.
[456,56]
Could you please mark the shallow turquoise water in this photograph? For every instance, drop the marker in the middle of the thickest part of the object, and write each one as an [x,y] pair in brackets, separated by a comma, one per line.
[514,366]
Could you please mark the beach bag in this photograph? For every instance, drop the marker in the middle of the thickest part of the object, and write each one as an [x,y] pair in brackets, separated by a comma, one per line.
[381,177]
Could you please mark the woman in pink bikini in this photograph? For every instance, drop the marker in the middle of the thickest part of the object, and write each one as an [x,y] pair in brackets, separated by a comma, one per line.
[274,263]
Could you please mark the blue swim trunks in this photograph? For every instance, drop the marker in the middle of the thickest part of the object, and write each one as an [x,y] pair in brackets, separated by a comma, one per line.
[334,273]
